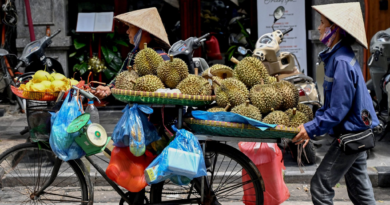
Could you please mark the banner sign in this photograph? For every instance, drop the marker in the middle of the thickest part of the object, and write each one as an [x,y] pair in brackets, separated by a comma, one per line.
[294,17]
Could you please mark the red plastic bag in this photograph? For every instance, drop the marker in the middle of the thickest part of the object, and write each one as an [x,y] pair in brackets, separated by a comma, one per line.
[213,51]
[268,160]
[127,170]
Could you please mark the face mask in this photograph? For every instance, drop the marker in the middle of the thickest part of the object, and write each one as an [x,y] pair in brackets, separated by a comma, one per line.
[329,36]
[137,38]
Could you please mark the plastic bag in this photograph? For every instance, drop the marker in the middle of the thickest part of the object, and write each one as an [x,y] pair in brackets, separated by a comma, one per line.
[62,143]
[127,170]
[135,119]
[120,135]
[230,117]
[268,159]
[183,157]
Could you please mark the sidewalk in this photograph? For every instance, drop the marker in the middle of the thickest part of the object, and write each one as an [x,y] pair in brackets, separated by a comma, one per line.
[378,163]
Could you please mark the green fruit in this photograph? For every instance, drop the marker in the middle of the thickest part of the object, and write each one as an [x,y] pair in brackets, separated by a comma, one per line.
[248,110]
[251,71]
[231,91]
[265,97]
[126,80]
[147,61]
[277,117]
[306,110]
[289,92]
[195,85]
[296,118]
[172,72]
[148,83]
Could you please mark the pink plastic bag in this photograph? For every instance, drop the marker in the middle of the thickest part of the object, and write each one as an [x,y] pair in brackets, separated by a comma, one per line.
[268,160]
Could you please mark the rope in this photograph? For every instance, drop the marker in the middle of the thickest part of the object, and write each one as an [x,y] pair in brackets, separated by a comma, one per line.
[299,160]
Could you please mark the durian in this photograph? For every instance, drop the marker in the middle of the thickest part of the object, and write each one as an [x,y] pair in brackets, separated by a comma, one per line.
[218,70]
[147,61]
[306,110]
[195,85]
[271,79]
[296,118]
[172,72]
[265,97]
[250,71]
[289,92]
[219,109]
[248,110]
[277,117]
[148,83]
[231,91]
[126,80]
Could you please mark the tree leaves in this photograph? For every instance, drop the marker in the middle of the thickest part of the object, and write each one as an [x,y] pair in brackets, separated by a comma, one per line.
[78,43]
[108,73]
[121,42]
[82,68]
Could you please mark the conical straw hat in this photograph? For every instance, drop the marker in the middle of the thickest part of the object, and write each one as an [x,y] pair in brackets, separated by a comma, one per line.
[148,20]
[347,16]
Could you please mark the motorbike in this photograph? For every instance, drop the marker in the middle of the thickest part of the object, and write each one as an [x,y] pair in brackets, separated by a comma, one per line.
[185,50]
[283,66]
[33,58]
[378,85]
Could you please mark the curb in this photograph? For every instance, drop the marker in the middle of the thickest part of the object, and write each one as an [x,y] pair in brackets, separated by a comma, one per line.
[379,176]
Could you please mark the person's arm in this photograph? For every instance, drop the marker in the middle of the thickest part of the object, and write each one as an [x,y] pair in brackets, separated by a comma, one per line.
[342,94]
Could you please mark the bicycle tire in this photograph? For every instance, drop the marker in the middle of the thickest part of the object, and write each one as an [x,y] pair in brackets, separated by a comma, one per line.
[156,190]
[13,157]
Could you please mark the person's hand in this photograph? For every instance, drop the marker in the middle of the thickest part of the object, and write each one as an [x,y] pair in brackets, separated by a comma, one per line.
[302,136]
[101,92]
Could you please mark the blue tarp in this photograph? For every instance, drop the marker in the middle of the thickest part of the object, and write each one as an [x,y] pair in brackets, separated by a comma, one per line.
[230,117]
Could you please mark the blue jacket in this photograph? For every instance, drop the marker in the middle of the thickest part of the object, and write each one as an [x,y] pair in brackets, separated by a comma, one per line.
[347,101]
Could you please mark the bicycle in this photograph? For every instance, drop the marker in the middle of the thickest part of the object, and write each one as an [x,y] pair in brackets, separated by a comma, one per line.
[52,181]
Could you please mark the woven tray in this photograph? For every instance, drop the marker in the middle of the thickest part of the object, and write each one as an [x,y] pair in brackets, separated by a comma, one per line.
[219,128]
[130,96]
[40,96]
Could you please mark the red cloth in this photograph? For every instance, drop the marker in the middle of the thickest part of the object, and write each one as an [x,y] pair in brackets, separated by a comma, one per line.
[270,165]
[127,170]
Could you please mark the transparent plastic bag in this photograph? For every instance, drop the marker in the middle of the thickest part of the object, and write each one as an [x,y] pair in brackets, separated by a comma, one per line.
[134,128]
[268,159]
[62,143]
[121,133]
[127,170]
[182,157]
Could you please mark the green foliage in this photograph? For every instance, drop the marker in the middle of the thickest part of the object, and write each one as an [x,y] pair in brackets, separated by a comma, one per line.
[109,48]
[233,49]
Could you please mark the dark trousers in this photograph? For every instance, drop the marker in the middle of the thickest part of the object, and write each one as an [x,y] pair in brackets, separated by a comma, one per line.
[335,165]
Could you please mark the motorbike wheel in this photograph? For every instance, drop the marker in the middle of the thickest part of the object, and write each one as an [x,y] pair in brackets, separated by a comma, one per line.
[310,153]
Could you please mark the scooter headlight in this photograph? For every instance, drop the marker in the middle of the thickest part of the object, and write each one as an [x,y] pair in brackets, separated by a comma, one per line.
[384,38]
[385,80]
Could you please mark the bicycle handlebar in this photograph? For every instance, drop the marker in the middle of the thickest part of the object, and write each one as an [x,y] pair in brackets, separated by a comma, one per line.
[86,94]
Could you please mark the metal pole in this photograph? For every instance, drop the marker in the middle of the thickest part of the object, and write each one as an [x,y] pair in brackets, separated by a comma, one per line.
[29,20]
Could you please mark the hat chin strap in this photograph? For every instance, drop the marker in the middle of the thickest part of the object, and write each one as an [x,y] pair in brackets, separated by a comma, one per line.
[137,39]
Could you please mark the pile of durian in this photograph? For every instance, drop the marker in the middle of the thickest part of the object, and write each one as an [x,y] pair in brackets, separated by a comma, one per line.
[150,73]
[250,91]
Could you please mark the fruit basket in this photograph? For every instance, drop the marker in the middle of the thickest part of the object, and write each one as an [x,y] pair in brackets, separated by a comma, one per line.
[219,128]
[40,96]
[130,96]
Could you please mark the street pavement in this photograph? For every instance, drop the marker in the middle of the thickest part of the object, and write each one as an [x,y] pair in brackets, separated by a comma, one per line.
[298,183]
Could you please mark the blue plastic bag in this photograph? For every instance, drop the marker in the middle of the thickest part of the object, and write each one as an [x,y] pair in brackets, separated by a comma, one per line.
[62,143]
[230,117]
[181,160]
[134,129]
[121,133]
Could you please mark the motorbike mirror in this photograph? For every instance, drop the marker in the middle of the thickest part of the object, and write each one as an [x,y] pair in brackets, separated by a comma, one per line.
[242,50]
[278,13]
[3,52]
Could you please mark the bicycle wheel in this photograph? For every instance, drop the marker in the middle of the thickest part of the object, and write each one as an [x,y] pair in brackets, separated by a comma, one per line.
[25,168]
[229,174]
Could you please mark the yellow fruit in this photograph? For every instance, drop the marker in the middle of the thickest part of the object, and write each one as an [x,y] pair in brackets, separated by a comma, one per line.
[58,76]
[59,85]
[40,76]
[46,83]
[22,87]
[38,87]
[74,82]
